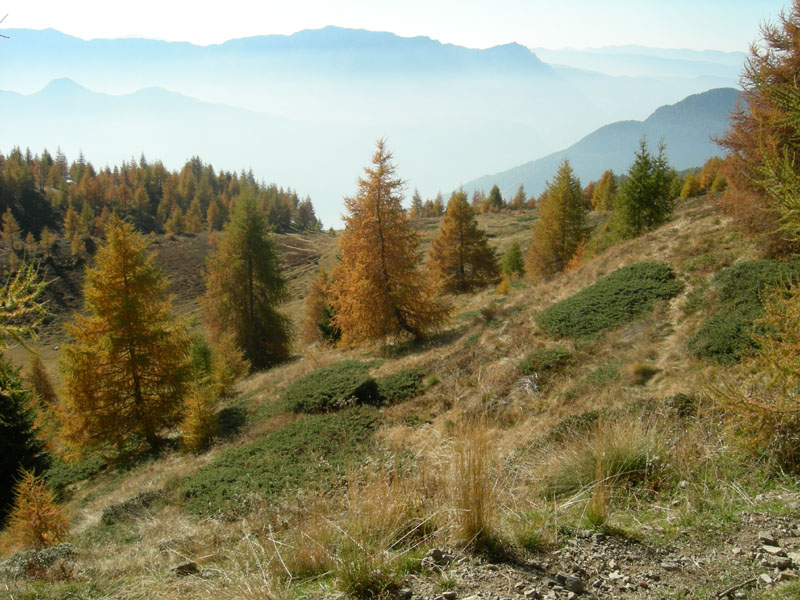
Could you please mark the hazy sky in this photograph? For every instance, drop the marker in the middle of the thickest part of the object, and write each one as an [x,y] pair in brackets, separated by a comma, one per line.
[699,24]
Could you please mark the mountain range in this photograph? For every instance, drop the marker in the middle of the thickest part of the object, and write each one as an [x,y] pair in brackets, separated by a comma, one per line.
[304,110]
[687,128]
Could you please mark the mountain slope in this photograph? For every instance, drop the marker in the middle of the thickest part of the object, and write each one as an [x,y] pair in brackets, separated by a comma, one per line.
[687,129]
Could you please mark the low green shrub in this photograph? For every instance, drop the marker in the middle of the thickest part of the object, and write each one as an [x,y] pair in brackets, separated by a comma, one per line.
[726,335]
[544,360]
[305,453]
[330,388]
[130,509]
[614,300]
[61,474]
[572,425]
[401,386]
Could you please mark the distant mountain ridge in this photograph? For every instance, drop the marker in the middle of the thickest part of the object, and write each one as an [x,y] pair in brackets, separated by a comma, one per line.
[297,107]
[686,127]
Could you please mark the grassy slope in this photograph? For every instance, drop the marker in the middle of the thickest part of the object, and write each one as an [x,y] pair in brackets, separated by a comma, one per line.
[413,472]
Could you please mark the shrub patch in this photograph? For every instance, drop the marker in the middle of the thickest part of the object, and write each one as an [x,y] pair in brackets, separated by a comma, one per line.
[336,386]
[725,335]
[307,452]
[614,300]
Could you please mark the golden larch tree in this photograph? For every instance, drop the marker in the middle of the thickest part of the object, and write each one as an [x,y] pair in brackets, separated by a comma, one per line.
[560,227]
[460,258]
[318,314]
[126,373]
[35,521]
[762,138]
[379,290]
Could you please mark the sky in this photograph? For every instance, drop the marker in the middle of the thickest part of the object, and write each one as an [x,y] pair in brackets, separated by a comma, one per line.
[728,25]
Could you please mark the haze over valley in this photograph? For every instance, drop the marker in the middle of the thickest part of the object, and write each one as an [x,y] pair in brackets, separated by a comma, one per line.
[304,109]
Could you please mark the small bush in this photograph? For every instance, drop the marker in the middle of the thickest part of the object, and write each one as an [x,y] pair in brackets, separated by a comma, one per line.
[682,405]
[727,334]
[61,474]
[35,521]
[642,373]
[306,452]
[573,425]
[131,509]
[333,387]
[401,386]
[34,563]
[199,425]
[544,360]
[614,300]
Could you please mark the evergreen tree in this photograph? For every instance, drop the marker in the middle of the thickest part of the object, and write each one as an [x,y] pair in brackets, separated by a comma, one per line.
[244,285]
[645,197]
[460,257]
[379,290]
[19,447]
[495,201]
[560,227]
[513,263]
[126,373]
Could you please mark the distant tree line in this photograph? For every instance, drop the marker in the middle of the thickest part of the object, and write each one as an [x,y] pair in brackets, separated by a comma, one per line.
[45,194]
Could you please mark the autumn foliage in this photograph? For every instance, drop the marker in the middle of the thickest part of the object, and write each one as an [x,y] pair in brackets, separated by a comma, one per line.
[460,257]
[36,521]
[560,227]
[763,132]
[126,373]
[379,291]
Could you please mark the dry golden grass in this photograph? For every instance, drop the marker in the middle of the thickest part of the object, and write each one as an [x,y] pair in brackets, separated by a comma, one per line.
[470,466]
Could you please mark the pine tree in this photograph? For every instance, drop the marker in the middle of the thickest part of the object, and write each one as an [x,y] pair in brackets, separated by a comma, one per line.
[460,257]
[126,373]
[560,227]
[244,285]
[379,290]
[513,263]
[36,521]
[495,201]
[19,447]
[645,197]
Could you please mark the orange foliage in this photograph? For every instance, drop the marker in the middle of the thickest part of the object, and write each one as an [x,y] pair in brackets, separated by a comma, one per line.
[379,290]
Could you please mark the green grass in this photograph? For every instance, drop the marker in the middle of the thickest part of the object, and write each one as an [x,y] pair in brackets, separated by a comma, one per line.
[336,386]
[614,300]
[309,452]
[725,335]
